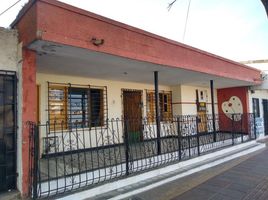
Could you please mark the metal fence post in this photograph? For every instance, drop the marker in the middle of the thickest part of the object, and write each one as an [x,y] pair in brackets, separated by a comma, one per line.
[35,160]
[254,125]
[232,129]
[126,146]
[241,128]
[179,137]
[197,136]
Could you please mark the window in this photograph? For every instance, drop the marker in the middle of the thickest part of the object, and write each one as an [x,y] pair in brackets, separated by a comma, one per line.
[76,107]
[256,107]
[165,106]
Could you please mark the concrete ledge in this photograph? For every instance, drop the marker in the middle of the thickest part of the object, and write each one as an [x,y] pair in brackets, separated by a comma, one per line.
[160,171]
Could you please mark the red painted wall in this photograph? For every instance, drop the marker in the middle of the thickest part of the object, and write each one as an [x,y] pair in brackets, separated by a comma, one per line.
[72,26]
[224,95]
[63,24]
[27,28]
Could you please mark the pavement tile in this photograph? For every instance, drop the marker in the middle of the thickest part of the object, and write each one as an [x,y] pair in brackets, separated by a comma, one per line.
[221,197]
[195,194]
[247,180]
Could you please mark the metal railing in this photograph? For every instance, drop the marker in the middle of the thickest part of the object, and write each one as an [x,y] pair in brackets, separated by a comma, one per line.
[65,159]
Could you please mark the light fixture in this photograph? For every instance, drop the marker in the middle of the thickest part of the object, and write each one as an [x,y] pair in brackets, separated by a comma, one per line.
[97,42]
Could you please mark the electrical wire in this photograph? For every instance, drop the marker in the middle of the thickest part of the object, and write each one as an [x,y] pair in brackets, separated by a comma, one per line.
[186,21]
[9,8]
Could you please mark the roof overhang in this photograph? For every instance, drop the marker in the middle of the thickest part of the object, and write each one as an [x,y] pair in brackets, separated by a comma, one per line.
[53,22]
[53,58]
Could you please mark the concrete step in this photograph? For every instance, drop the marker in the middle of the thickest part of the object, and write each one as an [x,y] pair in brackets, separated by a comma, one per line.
[132,185]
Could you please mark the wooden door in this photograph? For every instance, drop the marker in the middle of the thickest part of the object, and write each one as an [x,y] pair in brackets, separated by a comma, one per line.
[132,111]
[201,114]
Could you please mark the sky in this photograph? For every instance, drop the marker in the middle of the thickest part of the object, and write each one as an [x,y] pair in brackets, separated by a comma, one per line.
[234,29]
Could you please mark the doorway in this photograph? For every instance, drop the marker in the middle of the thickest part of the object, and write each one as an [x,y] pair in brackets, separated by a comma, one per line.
[265,115]
[132,112]
[8,128]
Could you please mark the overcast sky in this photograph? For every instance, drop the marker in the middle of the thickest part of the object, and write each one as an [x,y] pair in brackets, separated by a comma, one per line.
[235,29]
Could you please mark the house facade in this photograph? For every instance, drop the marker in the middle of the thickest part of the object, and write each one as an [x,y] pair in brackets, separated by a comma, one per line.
[89,92]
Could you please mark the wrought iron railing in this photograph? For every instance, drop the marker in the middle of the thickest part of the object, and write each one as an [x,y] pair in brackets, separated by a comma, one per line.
[65,159]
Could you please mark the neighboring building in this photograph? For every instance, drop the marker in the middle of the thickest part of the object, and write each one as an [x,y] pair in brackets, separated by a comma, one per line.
[258,96]
[92,84]
[10,111]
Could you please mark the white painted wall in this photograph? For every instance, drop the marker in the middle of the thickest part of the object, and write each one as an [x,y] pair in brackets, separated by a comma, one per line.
[185,102]
[114,89]
[180,93]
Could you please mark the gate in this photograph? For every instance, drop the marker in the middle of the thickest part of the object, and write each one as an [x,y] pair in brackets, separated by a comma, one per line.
[8,130]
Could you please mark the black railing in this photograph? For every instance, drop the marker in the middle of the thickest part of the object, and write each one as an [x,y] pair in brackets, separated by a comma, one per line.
[66,159]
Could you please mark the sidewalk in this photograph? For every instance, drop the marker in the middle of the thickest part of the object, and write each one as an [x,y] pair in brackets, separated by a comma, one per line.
[244,178]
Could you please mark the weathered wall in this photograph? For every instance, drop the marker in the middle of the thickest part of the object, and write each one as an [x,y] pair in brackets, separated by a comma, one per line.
[11,60]
[8,50]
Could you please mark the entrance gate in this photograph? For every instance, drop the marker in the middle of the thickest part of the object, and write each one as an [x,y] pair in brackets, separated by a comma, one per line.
[8,130]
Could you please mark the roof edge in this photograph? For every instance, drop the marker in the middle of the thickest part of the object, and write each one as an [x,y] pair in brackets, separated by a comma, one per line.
[22,12]
[124,26]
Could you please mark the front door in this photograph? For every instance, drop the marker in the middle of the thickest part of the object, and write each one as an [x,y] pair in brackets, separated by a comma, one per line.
[7,131]
[132,108]
[265,115]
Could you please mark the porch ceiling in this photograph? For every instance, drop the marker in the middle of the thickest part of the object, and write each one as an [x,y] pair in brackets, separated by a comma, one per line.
[67,60]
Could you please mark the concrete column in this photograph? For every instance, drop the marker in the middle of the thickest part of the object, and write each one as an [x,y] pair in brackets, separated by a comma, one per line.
[29,109]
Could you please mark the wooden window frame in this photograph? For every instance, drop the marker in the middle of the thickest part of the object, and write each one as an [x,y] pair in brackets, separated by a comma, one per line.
[86,113]
[165,104]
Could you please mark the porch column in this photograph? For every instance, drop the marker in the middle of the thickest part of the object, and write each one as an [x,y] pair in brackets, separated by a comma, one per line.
[29,106]
[157,116]
[213,109]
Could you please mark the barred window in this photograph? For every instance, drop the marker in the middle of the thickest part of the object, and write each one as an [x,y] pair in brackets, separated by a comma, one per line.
[76,106]
[165,107]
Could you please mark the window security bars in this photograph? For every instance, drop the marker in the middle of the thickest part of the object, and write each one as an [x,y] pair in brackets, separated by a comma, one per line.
[82,105]
[71,159]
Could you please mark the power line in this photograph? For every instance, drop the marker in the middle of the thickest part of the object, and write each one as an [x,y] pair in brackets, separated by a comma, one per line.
[9,8]
[186,21]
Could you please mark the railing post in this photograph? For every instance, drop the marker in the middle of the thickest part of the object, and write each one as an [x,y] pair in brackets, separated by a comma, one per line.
[197,136]
[241,128]
[179,137]
[35,160]
[232,129]
[126,146]
[254,121]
